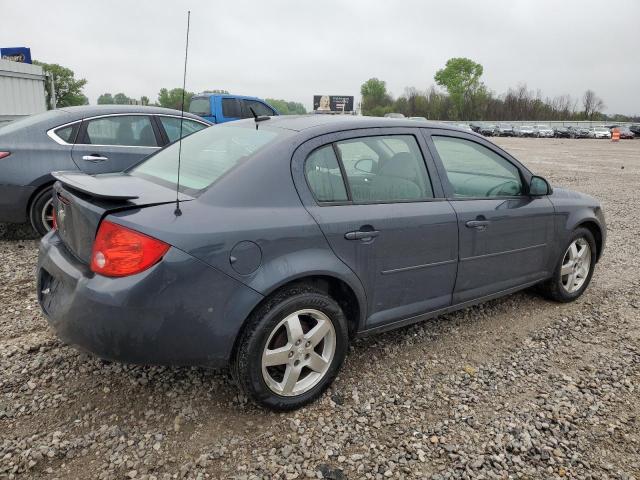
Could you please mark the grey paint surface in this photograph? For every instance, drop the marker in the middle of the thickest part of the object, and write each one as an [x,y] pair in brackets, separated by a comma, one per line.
[34,155]
[259,228]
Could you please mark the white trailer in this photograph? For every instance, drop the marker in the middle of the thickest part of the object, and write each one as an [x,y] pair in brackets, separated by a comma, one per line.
[22,90]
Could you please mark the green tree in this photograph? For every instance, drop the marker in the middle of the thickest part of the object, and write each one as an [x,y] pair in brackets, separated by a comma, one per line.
[375,98]
[173,98]
[287,108]
[144,100]
[121,99]
[68,89]
[461,78]
[105,99]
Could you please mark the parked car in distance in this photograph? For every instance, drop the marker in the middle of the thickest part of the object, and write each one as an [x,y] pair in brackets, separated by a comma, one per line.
[221,108]
[543,131]
[505,130]
[599,132]
[420,119]
[524,131]
[578,132]
[625,133]
[394,115]
[90,139]
[475,127]
[295,235]
[561,132]
[464,126]
[635,129]
[488,130]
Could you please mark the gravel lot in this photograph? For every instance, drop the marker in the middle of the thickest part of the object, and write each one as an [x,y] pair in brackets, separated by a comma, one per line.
[516,388]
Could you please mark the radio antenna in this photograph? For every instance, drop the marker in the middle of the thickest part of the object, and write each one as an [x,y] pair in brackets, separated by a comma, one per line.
[177,212]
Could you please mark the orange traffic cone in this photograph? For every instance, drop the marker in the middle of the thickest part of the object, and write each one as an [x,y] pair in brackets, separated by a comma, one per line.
[615,135]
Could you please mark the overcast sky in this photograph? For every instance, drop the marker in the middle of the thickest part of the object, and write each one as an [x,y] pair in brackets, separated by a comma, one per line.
[295,49]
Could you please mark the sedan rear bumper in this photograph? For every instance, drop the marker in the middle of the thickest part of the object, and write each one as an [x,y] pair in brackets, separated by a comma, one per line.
[179,312]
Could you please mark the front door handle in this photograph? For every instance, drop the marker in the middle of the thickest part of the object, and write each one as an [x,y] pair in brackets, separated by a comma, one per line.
[477,224]
[95,158]
[361,235]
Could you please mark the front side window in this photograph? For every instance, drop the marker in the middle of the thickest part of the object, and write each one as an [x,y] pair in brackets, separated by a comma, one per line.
[231,108]
[475,171]
[385,169]
[205,157]
[124,130]
[324,177]
[172,127]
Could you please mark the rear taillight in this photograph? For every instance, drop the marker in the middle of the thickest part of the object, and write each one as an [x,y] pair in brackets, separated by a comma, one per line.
[4,154]
[119,251]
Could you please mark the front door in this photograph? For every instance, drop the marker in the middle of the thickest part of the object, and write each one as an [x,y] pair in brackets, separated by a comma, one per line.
[505,235]
[388,222]
[114,143]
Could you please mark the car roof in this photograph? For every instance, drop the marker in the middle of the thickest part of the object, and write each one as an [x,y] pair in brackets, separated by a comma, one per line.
[330,123]
[225,95]
[85,111]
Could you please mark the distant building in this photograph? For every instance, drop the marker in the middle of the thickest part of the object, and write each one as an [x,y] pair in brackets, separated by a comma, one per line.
[22,90]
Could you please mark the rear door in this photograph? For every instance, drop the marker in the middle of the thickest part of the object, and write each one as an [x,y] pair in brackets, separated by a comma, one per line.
[388,221]
[113,143]
[505,235]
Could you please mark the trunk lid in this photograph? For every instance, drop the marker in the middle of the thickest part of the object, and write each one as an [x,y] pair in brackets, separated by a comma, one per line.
[81,201]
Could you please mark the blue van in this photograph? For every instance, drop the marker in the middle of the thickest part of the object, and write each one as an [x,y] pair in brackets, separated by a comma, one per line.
[220,108]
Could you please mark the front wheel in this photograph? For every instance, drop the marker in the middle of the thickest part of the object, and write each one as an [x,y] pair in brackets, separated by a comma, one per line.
[41,211]
[574,269]
[292,349]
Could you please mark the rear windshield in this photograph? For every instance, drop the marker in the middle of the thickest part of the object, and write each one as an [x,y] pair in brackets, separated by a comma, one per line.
[206,156]
[200,106]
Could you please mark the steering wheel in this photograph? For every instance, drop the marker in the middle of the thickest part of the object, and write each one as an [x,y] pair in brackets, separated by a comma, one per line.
[498,188]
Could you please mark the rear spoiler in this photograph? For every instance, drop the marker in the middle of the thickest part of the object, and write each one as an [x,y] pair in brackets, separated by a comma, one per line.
[105,186]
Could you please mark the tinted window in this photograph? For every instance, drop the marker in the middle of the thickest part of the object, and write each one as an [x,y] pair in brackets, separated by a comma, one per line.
[231,108]
[258,107]
[205,157]
[475,171]
[172,127]
[200,106]
[324,177]
[68,134]
[385,169]
[133,130]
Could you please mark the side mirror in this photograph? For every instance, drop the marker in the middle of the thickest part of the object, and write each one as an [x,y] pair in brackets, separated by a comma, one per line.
[538,187]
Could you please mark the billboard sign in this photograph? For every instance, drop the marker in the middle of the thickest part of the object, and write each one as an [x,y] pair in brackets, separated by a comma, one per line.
[333,103]
[17,54]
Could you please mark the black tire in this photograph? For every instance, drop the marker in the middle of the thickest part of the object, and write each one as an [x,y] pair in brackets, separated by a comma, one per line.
[553,288]
[246,367]
[35,211]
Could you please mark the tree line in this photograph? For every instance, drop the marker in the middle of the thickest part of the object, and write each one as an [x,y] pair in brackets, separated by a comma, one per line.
[463,96]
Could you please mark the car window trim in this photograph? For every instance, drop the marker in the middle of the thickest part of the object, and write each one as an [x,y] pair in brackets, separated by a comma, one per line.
[82,133]
[345,180]
[51,133]
[163,131]
[525,174]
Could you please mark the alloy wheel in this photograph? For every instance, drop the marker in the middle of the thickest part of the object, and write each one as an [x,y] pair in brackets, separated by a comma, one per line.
[298,352]
[46,215]
[576,264]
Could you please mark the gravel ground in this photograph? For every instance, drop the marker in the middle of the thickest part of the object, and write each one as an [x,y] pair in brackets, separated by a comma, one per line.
[515,388]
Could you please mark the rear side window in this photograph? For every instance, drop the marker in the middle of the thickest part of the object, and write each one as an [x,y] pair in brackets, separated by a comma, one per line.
[68,134]
[396,174]
[172,127]
[324,177]
[205,157]
[200,106]
[231,108]
[125,130]
[475,171]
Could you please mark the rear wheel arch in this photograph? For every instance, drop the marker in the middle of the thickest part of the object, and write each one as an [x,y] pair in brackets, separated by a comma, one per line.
[34,199]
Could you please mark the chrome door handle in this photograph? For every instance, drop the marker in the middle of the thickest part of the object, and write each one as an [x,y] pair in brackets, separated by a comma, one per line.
[361,235]
[477,224]
[95,158]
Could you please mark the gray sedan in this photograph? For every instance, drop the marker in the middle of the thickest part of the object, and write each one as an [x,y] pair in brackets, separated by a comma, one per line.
[88,139]
[289,236]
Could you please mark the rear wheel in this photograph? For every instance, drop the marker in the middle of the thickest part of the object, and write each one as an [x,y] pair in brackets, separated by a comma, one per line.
[292,349]
[41,211]
[574,269]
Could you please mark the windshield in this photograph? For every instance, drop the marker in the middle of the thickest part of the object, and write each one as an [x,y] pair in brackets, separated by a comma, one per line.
[205,157]
[200,106]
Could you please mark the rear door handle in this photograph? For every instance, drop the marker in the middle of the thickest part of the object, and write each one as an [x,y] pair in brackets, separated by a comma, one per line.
[95,158]
[477,224]
[361,234]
